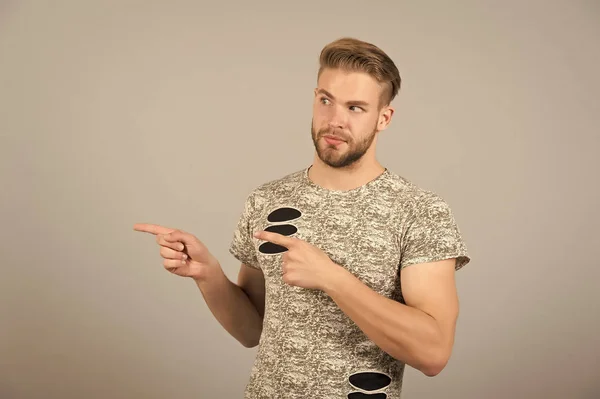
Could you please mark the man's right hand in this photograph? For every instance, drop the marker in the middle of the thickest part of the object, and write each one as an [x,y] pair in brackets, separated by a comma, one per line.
[184,255]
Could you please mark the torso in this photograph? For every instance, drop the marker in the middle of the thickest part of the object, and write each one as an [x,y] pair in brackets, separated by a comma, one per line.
[309,347]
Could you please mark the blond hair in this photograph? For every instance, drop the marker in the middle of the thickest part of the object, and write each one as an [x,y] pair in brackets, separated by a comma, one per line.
[355,55]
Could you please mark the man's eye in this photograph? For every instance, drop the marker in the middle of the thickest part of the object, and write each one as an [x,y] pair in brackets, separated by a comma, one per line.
[324,100]
[356,108]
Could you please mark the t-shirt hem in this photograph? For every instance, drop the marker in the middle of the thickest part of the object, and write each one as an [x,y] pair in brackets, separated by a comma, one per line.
[462,259]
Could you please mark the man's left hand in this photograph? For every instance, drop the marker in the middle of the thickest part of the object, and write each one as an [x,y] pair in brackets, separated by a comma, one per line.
[303,264]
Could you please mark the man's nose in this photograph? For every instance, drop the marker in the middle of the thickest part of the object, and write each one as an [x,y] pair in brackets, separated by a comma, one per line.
[338,118]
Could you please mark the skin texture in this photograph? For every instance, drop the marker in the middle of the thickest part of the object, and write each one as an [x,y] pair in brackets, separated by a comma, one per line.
[347,105]
[419,333]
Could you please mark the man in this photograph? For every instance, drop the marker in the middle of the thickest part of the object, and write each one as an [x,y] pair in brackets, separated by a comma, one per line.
[347,269]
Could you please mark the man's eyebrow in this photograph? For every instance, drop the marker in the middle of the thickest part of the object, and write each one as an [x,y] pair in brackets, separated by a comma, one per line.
[355,102]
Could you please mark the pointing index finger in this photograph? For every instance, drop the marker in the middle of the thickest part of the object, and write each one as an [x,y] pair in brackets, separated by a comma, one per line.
[275,238]
[152,228]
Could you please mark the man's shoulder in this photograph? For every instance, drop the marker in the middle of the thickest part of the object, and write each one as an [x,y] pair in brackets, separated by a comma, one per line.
[281,186]
[413,197]
[283,182]
[408,195]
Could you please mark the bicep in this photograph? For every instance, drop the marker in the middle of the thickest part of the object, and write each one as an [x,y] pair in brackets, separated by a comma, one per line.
[252,281]
[431,288]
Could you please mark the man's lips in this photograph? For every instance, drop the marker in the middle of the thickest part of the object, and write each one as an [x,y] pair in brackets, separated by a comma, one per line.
[334,140]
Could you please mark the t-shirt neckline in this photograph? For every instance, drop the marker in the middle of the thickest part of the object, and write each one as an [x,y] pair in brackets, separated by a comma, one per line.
[356,190]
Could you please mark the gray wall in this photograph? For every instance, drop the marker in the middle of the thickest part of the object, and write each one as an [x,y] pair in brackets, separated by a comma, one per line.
[118,112]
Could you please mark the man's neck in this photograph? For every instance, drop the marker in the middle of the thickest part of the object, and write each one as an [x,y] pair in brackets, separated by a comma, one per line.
[344,179]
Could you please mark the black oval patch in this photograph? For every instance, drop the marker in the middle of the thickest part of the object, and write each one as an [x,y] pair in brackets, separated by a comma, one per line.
[360,395]
[270,248]
[283,215]
[283,229]
[369,380]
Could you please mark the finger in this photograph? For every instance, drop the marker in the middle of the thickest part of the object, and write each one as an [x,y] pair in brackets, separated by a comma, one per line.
[176,245]
[169,253]
[275,238]
[170,264]
[288,279]
[152,228]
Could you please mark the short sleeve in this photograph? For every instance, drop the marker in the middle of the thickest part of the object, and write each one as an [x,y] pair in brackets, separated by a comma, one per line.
[242,246]
[432,234]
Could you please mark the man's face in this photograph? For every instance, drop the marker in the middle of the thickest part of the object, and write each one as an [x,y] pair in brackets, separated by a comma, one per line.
[346,116]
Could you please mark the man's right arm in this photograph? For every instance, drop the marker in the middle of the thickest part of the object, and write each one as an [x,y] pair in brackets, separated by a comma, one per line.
[239,308]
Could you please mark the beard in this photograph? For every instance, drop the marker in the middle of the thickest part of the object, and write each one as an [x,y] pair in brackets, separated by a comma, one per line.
[332,156]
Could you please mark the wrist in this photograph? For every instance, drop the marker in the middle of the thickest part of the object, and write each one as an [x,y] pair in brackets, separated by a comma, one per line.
[208,272]
[337,277]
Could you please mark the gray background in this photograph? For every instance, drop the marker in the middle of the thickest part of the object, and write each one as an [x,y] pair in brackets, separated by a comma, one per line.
[117,112]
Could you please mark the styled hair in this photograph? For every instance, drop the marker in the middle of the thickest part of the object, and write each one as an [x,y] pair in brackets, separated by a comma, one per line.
[353,55]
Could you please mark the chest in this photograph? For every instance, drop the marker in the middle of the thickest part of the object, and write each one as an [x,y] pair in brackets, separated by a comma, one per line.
[360,237]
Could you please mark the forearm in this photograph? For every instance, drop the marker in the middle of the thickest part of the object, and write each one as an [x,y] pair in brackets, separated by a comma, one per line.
[408,334]
[231,307]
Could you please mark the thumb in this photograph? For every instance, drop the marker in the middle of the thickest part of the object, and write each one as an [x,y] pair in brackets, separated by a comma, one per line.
[179,236]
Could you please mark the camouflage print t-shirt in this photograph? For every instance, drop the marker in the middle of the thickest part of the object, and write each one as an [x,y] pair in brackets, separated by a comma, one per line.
[309,348]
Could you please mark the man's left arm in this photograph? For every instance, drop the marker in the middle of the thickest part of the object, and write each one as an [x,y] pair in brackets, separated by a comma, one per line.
[419,333]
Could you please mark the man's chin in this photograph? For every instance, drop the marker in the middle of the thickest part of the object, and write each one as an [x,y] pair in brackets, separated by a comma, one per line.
[333,161]
[331,153]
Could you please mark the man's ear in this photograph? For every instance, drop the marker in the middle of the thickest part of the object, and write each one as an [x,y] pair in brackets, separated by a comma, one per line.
[385,118]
